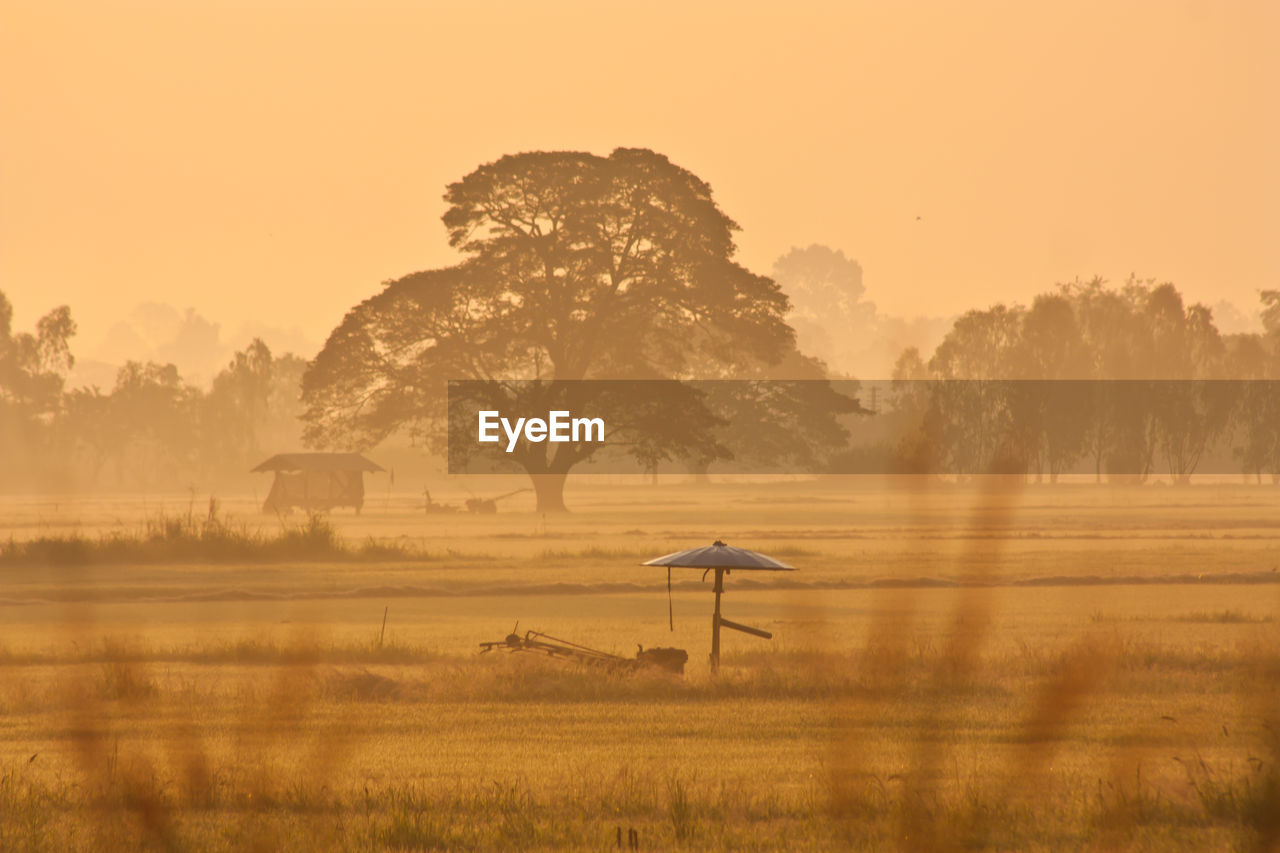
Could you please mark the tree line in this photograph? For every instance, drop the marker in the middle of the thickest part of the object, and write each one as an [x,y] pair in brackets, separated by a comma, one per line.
[1141,384]
[150,430]
[577,266]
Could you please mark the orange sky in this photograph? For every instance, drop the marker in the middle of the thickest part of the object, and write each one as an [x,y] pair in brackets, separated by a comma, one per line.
[278,160]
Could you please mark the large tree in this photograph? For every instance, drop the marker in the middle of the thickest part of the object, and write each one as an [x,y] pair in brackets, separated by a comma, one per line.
[575,267]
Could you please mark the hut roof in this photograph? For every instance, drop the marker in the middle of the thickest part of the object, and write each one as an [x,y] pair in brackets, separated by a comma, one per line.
[318,462]
[720,556]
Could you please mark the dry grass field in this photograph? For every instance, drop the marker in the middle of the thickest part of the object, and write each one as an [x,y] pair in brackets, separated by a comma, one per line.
[954,668]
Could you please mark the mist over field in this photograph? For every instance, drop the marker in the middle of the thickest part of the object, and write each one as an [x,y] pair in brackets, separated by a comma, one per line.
[935,354]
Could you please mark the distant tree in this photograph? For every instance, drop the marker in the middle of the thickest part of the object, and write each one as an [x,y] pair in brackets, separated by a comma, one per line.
[981,345]
[1189,415]
[33,369]
[1101,427]
[1258,431]
[1053,415]
[1050,342]
[789,417]
[237,407]
[1257,423]
[828,310]
[1271,337]
[282,426]
[577,267]
[1246,356]
[88,433]
[1112,331]
[970,414]
[1271,311]
[154,417]
[910,365]
[152,428]
[195,347]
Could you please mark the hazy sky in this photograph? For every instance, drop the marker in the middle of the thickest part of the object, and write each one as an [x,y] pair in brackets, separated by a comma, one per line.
[276,161]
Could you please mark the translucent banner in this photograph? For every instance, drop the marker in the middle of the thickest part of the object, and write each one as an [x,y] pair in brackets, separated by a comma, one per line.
[1118,429]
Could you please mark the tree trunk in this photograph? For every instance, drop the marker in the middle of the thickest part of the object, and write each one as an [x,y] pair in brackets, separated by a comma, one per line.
[549,490]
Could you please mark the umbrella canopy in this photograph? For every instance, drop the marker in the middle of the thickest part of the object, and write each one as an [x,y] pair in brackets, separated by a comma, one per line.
[720,556]
[723,560]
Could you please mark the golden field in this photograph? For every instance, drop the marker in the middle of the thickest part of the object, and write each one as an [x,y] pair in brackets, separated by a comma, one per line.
[1075,667]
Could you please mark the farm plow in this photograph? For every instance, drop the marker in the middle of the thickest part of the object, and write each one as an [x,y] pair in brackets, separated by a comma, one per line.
[538,643]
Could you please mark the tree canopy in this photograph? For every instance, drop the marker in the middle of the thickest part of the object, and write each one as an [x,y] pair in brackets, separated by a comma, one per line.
[575,266]
[832,319]
[33,368]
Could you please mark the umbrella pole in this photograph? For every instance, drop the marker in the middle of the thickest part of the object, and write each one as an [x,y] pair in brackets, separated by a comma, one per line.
[671,614]
[715,624]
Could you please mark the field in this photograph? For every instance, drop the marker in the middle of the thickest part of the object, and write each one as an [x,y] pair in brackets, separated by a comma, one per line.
[1075,667]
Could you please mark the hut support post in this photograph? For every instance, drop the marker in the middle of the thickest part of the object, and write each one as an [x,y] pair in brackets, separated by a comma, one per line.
[715,624]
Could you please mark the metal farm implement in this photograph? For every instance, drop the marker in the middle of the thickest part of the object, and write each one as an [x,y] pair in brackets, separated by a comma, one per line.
[536,642]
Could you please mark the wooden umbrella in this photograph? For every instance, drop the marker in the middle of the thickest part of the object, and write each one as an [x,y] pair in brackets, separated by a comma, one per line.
[722,559]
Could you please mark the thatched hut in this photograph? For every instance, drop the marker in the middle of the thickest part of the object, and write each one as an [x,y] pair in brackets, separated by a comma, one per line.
[314,481]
